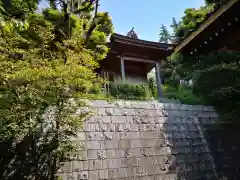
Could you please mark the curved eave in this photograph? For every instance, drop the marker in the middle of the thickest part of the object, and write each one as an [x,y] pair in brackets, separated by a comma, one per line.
[205,25]
[141,43]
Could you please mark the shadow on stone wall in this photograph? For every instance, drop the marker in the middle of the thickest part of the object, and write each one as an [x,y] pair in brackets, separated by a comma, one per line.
[189,148]
[223,140]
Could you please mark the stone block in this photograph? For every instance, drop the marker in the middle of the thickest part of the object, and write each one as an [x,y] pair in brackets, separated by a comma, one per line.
[208,109]
[101,111]
[110,153]
[83,175]
[123,144]
[133,143]
[129,119]
[146,161]
[113,163]
[134,161]
[148,135]
[65,167]
[138,171]
[103,174]
[118,119]
[110,144]
[120,111]
[78,166]
[88,127]
[149,143]
[134,127]
[112,173]
[123,172]
[97,164]
[149,170]
[148,151]
[109,111]
[92,154]
[124,163]
[101,103]
[111,127]
[94,136]
[160,170]
[93,175]
[103,127]
[136,152]
[120,153]
[119,127]
[102,119]
[129,135]
[94,144]
[108,136]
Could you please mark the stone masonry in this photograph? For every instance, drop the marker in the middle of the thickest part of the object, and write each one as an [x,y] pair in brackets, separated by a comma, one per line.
[127,140]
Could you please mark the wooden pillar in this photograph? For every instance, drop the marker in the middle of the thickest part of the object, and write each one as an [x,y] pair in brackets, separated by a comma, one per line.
[158,80]
[123,70]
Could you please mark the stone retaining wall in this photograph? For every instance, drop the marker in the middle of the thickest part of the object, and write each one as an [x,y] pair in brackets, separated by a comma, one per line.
[144,140]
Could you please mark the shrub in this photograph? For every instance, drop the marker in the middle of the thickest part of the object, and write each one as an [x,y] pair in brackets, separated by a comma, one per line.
[129,91]
[182,93]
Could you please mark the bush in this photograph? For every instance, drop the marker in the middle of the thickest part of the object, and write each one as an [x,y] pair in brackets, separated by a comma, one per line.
[129,91]
[182,93]
[221,87]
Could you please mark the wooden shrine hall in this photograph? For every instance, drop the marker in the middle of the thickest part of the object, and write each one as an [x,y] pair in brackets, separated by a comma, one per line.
[131,59]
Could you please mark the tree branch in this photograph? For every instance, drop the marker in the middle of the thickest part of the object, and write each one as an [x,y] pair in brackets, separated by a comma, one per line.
[93,24]
[91,2]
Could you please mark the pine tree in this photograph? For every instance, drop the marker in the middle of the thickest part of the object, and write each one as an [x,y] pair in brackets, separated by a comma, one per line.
[164,35]
[174,25]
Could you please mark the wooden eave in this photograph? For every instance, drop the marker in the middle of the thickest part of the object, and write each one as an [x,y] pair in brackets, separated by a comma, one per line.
[216,15]
[141,43]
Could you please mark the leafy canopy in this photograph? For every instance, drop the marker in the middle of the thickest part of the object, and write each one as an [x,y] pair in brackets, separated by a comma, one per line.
[46,66]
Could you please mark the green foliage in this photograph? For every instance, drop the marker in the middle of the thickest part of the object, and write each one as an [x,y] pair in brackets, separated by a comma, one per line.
[217,78]
[190,21]
[129,91]
[182,93]
[152,86]
[164,35]
[215,1]
[193,18]
[17,9]
[45,69]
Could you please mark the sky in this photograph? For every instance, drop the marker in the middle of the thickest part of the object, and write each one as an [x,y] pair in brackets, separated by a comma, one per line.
[146,16]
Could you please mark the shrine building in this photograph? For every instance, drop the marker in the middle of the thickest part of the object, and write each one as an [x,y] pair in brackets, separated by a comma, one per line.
[131,59]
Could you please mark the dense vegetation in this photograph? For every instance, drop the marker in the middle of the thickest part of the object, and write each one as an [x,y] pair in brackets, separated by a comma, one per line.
[214,77]
[130,91]
[47,62]
[189,22]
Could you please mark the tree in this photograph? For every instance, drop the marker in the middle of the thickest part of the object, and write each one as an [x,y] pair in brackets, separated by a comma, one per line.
[175,27]
[174,24]
[215,1]
[190,21]
[164,35]
[43,70]
[18,9]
